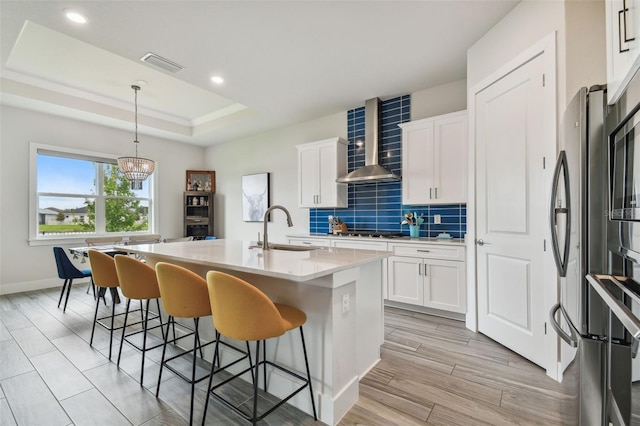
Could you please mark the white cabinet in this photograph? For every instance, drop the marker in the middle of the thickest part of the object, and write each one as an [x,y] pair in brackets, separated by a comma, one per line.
[319,165]
[623,44]
[433,276]
[405,282]
[434,160]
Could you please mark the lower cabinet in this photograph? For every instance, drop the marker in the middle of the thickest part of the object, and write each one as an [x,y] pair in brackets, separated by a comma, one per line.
[429,275]
[420,277]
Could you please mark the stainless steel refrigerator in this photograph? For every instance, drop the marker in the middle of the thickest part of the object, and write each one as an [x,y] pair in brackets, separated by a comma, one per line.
[595,223]
[579,223]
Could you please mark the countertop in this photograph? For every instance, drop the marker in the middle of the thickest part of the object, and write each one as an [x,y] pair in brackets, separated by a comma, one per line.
[405,239]
[237,255]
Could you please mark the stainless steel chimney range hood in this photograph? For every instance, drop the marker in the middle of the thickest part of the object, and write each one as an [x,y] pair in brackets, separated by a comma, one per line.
[372,171]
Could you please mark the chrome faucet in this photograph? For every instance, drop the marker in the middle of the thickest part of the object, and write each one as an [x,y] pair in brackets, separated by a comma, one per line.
[265,240]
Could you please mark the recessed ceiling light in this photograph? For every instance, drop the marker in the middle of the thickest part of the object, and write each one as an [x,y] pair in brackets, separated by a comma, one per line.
[76,17]
[217,79]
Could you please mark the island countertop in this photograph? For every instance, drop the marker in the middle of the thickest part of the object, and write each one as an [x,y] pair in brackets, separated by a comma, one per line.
[238,255]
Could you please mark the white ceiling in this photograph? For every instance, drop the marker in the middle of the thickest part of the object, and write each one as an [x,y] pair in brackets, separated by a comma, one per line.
[283,62]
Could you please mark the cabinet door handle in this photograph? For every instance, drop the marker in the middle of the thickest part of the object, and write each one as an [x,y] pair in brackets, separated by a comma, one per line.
[436,191]
[423,251]
[623,37]
[430,190]
[419,269]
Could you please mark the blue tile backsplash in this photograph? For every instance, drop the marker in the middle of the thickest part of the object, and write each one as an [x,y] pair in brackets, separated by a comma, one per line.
[378,206]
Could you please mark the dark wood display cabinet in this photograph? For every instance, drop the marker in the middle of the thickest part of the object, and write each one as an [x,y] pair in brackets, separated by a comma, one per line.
[198,214]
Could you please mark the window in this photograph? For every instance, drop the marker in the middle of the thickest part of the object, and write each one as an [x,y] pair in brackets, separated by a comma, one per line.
[79,194]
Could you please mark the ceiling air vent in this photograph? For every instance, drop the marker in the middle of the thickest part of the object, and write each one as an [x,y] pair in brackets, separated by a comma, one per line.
[160,62]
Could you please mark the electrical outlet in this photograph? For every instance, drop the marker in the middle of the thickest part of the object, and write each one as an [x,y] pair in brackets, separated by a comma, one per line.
[436,219]
[345,303]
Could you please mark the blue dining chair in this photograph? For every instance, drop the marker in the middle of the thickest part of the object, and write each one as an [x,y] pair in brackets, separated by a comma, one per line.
[67,271]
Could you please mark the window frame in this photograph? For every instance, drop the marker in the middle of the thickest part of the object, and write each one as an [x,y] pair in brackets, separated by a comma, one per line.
[36,239]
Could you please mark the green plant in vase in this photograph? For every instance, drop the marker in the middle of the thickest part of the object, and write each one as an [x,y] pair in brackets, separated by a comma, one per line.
[414,221]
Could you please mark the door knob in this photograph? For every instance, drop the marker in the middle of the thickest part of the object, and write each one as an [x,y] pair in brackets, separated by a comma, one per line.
[480,242]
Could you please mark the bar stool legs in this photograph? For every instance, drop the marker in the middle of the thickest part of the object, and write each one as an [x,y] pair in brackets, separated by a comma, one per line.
[306,365]
[197,347]
[144,321]
[255,374]
[96,321]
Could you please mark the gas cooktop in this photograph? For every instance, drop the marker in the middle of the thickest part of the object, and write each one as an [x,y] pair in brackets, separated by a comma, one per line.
[369,234]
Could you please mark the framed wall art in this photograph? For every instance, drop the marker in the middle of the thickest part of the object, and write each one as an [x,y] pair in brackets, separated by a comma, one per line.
[255,197]
[201,180]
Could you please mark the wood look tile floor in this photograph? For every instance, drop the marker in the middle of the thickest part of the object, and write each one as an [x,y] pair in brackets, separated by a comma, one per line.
[433,372]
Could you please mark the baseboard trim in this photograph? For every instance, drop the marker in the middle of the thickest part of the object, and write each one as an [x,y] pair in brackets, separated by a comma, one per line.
[34,285]
[425,310]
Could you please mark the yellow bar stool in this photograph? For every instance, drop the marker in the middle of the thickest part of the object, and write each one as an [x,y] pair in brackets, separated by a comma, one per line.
[184,294]
[138,282]
[241,311]
[104,273]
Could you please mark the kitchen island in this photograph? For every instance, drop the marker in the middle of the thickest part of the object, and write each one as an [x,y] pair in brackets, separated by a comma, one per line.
[339,289]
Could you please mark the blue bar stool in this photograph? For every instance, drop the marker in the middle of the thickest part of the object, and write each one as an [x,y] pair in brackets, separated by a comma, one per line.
[68,272]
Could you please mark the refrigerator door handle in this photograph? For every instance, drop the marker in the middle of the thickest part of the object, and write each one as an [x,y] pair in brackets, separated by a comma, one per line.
[572,338]
[561,262]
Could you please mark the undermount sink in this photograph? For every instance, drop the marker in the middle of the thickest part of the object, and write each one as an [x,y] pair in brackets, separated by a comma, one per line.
[286,247]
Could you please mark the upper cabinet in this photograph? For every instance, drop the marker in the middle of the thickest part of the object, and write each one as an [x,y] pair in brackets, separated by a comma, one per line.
[434,160]
[623,44]
[319,165]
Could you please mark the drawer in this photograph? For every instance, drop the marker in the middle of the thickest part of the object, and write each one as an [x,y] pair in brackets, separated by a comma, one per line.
[197,220]
[431,251]
[362,245]
[319,242]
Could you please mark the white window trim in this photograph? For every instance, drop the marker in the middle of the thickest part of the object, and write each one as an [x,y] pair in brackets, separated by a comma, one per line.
[37,240]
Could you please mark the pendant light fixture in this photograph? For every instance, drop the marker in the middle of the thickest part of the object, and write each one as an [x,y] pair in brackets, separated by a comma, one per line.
[136,169]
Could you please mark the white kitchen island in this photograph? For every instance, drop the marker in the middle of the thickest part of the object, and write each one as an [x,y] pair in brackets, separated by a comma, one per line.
[339,289]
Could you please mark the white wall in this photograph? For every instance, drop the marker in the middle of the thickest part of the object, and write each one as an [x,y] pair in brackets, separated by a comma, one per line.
[275,152]
[579,25]
[586,63]
[525,25]
[27,267]
[439,100]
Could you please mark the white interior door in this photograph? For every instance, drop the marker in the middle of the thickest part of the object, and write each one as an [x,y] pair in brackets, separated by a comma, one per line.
[511,216]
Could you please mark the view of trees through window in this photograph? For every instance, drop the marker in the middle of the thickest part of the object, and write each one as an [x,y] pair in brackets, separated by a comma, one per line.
[84,196]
